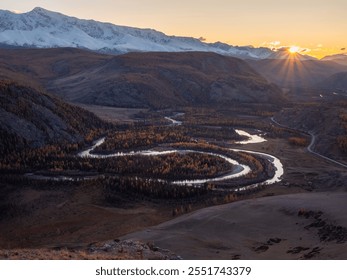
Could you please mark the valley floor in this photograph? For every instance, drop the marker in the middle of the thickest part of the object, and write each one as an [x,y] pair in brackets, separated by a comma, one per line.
[301,217]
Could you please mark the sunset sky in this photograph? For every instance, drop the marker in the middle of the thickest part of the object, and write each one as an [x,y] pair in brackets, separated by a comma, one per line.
[317,27]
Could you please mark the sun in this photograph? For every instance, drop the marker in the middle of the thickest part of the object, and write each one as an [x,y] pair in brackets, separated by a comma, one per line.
[293,49]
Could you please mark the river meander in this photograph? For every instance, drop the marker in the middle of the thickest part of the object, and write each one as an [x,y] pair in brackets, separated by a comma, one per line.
[238,170]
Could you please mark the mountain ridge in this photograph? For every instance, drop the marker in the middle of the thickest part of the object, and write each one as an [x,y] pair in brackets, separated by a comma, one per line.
[338,58]
[45,29]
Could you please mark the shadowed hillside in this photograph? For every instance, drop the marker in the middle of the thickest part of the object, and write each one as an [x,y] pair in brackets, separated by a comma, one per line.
[29,117]
[336,82]
[45,64]
[328,123]
[167,79]
[154,80]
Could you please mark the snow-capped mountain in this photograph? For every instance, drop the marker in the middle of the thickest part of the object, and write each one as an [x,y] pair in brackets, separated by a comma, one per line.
[41,28]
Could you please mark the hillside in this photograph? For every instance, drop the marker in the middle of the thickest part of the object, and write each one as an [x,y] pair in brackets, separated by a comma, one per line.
[294,226]
[327,122]
[43,64]
[336,82]
[167,79]
[140,79]
[295,72]
[338,58]
[32,118]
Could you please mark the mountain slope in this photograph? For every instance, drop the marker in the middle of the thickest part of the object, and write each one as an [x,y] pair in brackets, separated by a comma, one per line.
[294,72]
[326,121]
[167,79]
[336,82]
[43,64]
[45,29]
[338,58]
[31,118]
[139,79]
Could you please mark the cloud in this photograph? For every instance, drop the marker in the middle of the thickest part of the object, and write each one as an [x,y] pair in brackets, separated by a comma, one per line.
[272,45]
[282,49]
[275,43]
[276,46]
[286,49]
[319,45]
[305,50]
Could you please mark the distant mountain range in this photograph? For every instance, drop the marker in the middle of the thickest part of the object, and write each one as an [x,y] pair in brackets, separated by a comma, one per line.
[40,28]
[76,60]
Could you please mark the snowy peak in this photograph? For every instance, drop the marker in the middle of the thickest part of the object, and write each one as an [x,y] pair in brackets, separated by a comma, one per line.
[42,11]
[44,29]
[23,22]
[41,28]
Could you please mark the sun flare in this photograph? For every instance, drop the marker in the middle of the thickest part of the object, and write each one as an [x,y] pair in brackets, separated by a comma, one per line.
[294,49]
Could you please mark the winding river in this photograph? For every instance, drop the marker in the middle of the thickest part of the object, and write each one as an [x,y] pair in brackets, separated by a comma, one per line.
[238,170]
[252,139]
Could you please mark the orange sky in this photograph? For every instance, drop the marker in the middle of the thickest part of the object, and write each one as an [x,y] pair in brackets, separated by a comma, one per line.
[319,27]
